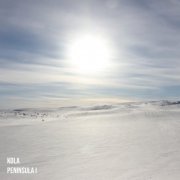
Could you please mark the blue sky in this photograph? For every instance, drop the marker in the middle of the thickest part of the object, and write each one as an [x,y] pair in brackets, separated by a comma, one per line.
[34,36]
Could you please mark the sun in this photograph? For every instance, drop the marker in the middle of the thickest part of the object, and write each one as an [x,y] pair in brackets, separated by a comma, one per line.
[89,54]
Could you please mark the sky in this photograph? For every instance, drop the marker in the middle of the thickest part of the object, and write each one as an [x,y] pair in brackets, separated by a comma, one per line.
[142,38]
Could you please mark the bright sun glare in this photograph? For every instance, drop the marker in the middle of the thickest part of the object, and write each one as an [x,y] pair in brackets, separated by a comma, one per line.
[89,54]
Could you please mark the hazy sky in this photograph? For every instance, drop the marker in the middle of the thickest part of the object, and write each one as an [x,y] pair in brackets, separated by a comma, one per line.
[144,36]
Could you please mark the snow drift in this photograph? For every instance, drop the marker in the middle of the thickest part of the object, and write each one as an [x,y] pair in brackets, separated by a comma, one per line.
[128,141]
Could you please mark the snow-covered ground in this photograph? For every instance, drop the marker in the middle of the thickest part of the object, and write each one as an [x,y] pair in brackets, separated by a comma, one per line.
[130,141]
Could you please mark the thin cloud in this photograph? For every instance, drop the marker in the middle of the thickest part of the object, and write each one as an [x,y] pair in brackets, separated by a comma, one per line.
[34,36]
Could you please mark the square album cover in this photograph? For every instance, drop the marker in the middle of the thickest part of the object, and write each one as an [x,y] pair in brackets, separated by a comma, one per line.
[89,90]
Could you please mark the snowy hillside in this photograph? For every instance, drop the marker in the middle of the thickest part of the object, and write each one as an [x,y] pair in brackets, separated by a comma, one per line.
[128,141]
